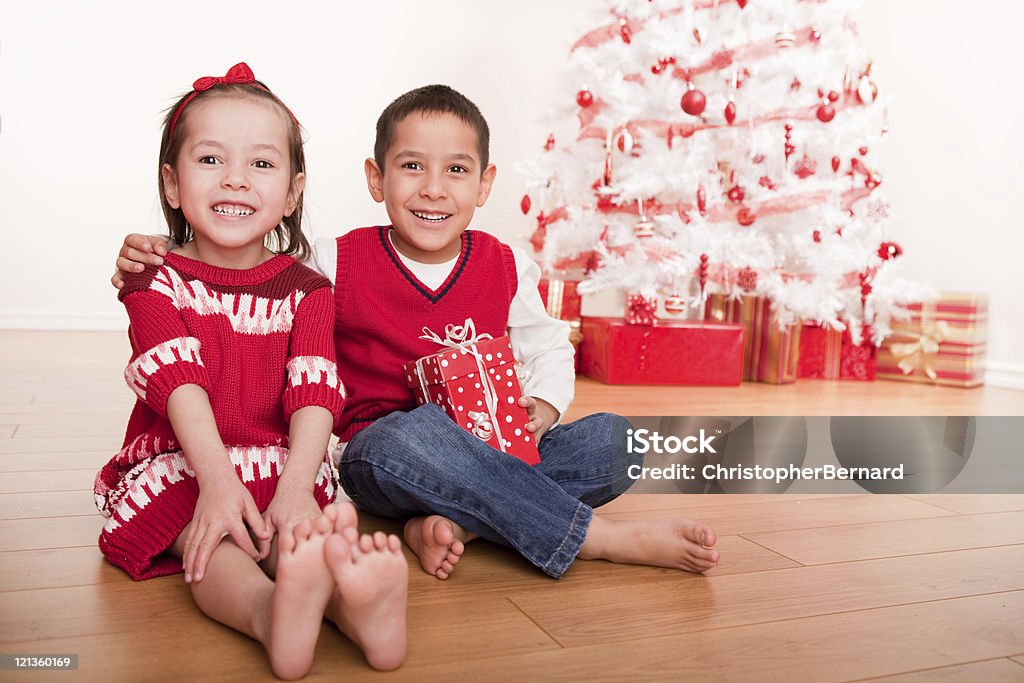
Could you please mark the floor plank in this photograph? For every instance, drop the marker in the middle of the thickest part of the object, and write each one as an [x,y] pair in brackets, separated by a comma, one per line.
[973,504]
[695,603]
[46,504]
[834,647]
[57,532]
[891,539]
[991,671]
[54,480]
[42,462]
[61,444]
[781,513]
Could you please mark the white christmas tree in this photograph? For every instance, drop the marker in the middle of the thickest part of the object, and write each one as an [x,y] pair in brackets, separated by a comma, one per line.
[740,131]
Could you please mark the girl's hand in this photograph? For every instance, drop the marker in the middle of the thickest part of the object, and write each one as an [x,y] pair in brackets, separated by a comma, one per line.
[542,415]
[223,509]
[136,252]
[290,506]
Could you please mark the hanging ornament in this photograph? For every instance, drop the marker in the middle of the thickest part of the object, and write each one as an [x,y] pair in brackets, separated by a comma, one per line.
[699,34]
[825,113]
[785,38]
[736,194]
[872,181]
[702,201]
[835,164]
[789,148]
[816,236]
[657,68]
[889,250]
[863,151]
[584,98]
[745,216]
[625,31]
[747,279]
[805,167]
[867,92]
[703,273]
[675,304]
[693,101]
[608,160]
[795,84]
[524,204]
[550,144]
[644,228]
[815,35]
[624,141]
[847,81]
[741,3]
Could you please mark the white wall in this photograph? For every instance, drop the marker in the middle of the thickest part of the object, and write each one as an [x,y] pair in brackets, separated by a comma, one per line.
[83,85]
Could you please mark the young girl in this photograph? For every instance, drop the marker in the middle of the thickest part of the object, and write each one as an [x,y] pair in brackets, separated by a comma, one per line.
[224,471]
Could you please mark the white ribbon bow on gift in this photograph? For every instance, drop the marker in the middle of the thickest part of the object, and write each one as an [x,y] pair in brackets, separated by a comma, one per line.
[921,352]
[464,339]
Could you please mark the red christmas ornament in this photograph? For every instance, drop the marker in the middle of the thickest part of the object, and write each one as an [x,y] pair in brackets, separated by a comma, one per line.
[867,92]
[730,112]
[747,279]
[745,216]
[835,164]
[693,101]
[806,167]
[657,68]
[698,35]
[889,250]
[625,31]
[524,204]
[608,168]
[815,35]
[816,235]
[826,113]
[741,3]
[872,181]
[702,201]
[863,151]
[605,202]
[584,98]
[736,194]
[675,303]
[703,273]
[833,96]
[624,141]
[550,144]
[795,84]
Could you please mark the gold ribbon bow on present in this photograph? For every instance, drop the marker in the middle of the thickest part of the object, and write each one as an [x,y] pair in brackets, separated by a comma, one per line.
[464,339]
[921,352]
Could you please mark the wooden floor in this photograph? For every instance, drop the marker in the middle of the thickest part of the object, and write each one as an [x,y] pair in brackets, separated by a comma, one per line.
[893,588]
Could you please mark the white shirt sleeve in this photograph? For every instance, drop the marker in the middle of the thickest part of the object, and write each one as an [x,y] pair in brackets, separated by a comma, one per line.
[539,341]
[323,257]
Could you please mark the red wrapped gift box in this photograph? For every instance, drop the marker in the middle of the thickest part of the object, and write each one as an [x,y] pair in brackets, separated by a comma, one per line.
[474,380]
[770,353]
[560,298]
[858,361]
[820,352]
[683,352]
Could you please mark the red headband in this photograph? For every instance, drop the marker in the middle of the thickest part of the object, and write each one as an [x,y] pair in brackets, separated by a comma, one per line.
[238,74]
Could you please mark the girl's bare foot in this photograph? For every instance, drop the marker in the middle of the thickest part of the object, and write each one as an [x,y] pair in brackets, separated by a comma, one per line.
[438,542]
[373,583]
[303,586]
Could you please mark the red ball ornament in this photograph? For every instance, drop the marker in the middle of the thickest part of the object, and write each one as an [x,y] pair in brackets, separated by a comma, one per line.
[741,3]
[675,304]
[747,279]
[833,96]
[835,164]
[826,113]
[524,204]
[624,141]
[730,112]
[815,35]
[693,102]
[816,235]
[736,194]
[805,167]
[863,151]
[889,250]
[584,98]
[626,32]
[657,68]
[745,216]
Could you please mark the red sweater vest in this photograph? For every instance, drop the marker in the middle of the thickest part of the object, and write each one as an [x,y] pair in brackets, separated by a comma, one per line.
[381,308]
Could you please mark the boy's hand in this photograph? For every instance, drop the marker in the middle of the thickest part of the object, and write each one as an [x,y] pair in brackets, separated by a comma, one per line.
[223,509]
[136,252]
[542,415]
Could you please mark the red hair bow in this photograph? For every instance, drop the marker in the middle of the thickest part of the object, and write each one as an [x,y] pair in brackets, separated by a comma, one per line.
[239,73]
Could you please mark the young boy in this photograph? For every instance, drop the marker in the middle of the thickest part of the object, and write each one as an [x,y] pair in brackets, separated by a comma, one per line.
[427,269]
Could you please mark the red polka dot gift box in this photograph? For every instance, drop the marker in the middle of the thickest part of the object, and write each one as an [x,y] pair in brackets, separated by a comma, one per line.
[474,380]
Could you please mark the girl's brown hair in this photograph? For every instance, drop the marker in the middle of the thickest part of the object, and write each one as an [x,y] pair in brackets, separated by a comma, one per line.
[287,237]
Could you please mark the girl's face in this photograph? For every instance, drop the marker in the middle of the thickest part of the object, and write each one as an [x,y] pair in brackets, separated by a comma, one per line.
[232,178]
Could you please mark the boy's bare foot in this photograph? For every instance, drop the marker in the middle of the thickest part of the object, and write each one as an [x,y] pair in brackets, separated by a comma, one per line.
[373,585]
[676,543]
[438,542]
[303,586]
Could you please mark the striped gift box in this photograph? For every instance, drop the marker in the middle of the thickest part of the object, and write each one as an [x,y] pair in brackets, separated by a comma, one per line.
[770,352]
[944,342]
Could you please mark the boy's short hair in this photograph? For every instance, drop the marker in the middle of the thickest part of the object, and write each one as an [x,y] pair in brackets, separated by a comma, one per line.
[431,99]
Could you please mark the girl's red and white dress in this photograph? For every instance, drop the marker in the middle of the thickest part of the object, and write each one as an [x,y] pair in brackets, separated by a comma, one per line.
[260,342]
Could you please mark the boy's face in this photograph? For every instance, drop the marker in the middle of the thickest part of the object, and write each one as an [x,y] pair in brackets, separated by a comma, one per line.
[431,184]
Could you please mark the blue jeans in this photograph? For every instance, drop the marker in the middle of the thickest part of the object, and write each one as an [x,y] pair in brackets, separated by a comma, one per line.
[421,462]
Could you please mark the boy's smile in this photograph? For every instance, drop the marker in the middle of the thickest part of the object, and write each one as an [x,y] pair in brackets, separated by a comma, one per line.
[431,184]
